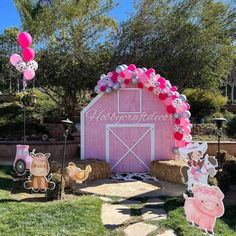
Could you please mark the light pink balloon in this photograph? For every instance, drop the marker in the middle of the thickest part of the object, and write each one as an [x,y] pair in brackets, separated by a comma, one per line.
[184,121]
[128,74]
[15,58]
[186,130]
[139,72]
[168,101]
[180,143]
[24,39]
[29,74]
[28,54]
[144,79]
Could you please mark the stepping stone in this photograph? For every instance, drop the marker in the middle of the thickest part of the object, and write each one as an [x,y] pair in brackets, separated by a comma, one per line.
[168,233]
[153,213]
[154,201]
[105,199]
[139,229]
[114,215]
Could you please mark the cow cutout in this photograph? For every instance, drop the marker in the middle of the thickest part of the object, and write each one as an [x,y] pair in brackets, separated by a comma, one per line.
[39,170]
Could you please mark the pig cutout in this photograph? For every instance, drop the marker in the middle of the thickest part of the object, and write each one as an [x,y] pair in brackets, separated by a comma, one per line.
[39,171]
[204,207]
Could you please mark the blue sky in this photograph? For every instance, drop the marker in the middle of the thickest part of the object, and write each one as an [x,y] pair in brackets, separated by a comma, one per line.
[10,17]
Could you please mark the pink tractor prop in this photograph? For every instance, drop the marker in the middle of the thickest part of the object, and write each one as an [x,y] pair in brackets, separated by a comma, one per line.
[22,160]
[203,209]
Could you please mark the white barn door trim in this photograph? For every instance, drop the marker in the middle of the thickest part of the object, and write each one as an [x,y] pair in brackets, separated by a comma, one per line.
[129,149]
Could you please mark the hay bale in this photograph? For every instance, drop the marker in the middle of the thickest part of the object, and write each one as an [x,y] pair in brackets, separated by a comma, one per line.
[168,170]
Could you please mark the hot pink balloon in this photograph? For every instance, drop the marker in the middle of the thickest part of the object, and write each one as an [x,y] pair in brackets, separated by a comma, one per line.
[132,67]
[173,88]
[24,39]
[150,71]
[28,54]
[161,80]
[15,58]
[29,74]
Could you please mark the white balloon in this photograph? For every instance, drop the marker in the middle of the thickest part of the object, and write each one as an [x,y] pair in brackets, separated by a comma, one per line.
[33,65]
[21,66]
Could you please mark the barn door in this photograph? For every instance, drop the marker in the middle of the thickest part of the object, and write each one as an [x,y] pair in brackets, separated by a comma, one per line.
[130,147]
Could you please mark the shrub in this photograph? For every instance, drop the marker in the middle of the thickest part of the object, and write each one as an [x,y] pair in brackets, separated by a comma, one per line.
[204,102]
[231,127]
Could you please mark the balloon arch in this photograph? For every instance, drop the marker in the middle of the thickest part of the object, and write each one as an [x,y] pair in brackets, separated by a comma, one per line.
[175,103]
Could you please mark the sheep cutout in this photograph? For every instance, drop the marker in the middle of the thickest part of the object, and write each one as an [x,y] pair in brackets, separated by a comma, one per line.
[39,170]
[78,174]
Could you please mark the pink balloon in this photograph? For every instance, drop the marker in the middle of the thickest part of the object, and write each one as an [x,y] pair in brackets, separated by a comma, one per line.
[15,58]
[180,144]
[168,101]
[128,74]
[139,72]
[162,86]
[28,54]
[161,80]
[143,78]
[187,105]
[184,121]
[173,88]
[149,71]
[24,39]
[131,67]
[29,74]
[186,130]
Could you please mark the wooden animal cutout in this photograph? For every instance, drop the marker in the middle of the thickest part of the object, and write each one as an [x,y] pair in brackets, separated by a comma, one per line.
[204,207]
[39,171]
[78,174]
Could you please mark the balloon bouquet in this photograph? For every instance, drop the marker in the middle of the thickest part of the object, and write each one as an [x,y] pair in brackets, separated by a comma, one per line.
[26,63]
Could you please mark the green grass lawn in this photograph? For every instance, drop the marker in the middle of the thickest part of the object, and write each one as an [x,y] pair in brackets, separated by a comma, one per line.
[225,226]
[79,216]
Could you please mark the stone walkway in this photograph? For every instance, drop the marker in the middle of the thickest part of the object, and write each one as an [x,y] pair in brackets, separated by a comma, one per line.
[135,218]
[134,207]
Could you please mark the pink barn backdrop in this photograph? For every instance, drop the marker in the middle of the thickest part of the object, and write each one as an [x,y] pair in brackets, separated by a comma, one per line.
[128,128]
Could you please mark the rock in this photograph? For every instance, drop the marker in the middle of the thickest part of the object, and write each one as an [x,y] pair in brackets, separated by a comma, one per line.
[114,215]
[153,213]
[154,202]
[168,233]
[139,229]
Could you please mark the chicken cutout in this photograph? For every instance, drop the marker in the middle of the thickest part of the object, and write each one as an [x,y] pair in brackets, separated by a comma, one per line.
[39,170]
[78,174]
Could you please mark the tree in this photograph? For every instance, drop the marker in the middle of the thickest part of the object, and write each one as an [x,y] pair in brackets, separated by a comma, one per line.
[190,42]
[72,36]
[8,46]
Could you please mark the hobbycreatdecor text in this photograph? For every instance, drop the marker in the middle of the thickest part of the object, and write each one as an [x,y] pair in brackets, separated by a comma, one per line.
[94,114]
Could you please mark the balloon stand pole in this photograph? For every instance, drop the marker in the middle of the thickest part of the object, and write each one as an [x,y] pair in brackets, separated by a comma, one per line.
[24,124]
